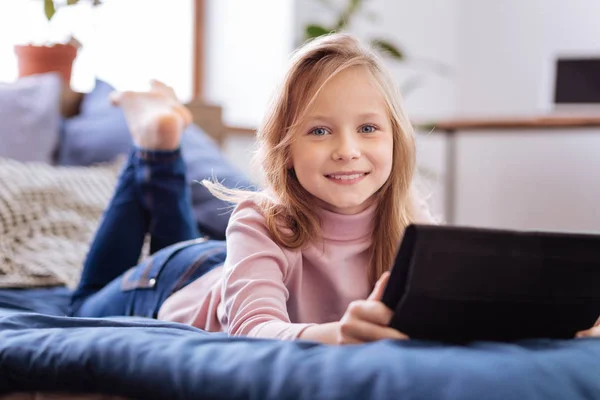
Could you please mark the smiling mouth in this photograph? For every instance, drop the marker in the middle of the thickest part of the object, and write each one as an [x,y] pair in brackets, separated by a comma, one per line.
[347,177]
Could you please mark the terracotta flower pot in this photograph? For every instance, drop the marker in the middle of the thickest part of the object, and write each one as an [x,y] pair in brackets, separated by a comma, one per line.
[41,59]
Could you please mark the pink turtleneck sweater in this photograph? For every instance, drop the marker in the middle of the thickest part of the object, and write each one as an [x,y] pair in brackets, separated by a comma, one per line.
[267,291]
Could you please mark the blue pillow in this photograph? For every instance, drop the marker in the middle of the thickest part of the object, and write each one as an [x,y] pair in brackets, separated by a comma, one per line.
[98,99]
[99,133]
[30,118]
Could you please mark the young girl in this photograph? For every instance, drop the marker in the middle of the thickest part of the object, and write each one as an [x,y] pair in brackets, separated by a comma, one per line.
[306,257]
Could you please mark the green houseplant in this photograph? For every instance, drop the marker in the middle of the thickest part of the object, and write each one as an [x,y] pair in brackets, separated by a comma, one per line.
[354,9]
[343,20]
[50,6]
[51,57]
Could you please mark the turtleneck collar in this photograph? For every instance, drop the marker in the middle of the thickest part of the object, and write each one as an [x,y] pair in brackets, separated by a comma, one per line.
[343,227]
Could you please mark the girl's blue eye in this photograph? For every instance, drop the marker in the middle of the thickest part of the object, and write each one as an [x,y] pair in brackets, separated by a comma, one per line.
[367,129]
[319,132]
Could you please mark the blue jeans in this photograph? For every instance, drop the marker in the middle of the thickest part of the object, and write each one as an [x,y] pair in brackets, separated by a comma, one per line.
[152,197]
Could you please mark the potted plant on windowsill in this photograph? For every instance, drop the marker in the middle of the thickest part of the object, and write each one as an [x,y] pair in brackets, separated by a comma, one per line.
[50,57]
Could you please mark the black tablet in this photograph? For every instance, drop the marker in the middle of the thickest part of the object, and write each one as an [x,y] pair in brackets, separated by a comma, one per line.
[460,284]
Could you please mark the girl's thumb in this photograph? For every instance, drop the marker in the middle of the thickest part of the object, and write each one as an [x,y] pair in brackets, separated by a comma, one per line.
[379,288]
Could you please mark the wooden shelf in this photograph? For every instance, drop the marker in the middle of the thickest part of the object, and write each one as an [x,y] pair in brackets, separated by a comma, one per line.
[514,123]
[210,118]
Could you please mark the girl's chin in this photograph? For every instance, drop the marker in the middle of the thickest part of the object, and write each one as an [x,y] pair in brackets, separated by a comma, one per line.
[348,208]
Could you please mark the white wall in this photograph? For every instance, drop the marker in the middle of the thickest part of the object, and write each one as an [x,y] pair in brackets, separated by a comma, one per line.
[506,53]
[506,50]
[247,48]
[529,180]
[248,44]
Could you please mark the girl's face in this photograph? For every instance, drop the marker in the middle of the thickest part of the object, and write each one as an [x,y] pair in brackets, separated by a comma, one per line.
[343,152]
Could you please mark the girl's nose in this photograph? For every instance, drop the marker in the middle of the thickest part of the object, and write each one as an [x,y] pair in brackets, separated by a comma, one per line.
[347,147]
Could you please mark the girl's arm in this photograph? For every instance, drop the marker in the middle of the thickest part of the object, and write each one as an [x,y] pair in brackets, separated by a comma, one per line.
[322,333]
[254,295]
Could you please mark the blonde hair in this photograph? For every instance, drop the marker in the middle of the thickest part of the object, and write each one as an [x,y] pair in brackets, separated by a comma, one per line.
[290,216]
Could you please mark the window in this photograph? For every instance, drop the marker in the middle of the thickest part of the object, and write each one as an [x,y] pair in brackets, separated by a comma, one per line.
[125,42]
[248,44]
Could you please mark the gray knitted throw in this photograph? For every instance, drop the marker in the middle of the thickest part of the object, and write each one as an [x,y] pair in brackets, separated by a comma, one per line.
[48,215]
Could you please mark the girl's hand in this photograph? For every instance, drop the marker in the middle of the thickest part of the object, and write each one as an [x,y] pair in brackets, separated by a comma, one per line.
[367,320]
[592,332]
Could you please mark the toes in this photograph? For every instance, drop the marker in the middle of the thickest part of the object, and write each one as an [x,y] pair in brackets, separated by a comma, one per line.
[124,98]
[183,113]
[155,118]
[160,87]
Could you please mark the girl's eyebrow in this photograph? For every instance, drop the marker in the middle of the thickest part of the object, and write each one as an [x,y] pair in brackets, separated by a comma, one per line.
[318,117]
[371,115]
[365,115]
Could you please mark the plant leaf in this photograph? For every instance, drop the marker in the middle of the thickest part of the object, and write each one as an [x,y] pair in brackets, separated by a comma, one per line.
[342,21]
[354,6]
[388,48]
[313,31]
[72,2]
[97,3]
[348,14]
[49,9]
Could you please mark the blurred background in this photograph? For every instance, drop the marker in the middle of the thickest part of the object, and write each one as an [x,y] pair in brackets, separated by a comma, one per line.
[505,94]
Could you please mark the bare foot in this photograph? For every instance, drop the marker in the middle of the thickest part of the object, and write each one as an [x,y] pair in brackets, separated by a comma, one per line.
[155,118]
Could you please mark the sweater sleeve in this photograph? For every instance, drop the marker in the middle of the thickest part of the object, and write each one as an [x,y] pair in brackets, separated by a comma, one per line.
[253,293]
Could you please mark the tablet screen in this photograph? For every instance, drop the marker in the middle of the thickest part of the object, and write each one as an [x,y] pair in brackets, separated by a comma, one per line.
[462,284]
